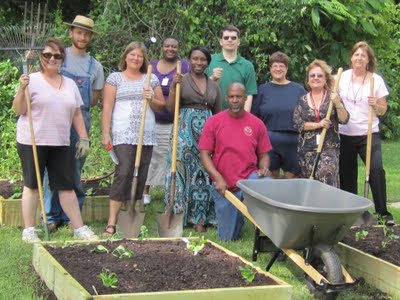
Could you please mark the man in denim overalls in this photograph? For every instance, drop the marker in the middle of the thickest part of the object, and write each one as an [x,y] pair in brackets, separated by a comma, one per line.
[88,75]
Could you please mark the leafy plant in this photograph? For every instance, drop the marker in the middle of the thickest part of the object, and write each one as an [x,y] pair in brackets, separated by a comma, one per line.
[17,191]
[195,245]
[361,235]
[99,249]
[121,252]
[108,278]
[89,192]
[388,236]
[248,273]
[144,232]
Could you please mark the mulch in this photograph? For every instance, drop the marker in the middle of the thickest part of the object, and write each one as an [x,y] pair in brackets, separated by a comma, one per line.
[372,244]
[156,266]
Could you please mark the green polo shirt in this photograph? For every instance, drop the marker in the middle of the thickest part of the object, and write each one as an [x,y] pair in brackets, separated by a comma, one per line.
[240,70]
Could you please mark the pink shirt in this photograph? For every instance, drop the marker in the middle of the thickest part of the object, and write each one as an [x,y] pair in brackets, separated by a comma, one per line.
[355,98]
[235,144]
[52,112]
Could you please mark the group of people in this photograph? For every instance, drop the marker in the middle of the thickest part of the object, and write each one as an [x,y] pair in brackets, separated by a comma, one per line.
[224,135]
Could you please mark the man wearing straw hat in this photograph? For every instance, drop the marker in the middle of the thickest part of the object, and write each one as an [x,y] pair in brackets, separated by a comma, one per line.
[88,75]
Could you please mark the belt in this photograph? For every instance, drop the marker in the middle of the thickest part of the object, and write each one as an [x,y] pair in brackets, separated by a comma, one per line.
[196,105]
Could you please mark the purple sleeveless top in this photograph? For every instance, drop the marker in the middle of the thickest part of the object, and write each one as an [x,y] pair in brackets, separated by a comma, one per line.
[166,81]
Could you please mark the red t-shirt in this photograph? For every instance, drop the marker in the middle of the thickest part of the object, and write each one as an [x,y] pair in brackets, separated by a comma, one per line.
[235,144]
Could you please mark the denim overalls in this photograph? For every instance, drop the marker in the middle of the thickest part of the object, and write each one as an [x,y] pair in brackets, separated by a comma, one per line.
[52,203]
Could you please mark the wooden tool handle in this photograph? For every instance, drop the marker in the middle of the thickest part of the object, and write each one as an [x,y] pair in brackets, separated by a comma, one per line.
[142,121]
[176,120]
[329,112]
[369,133]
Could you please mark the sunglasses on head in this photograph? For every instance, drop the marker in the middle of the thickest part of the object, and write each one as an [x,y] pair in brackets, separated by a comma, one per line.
[48,55]
[316,75]
[233,38]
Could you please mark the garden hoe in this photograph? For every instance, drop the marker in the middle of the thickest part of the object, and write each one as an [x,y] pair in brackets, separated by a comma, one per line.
[367,218]
[323,133]
[130,220]
[168,223]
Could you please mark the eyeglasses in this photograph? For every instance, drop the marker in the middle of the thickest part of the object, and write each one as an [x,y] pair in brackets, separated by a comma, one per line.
[49,55]
[233,38]
[316,75]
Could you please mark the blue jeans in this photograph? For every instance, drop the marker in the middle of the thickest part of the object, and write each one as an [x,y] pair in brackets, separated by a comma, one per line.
[52,205]
[230,219]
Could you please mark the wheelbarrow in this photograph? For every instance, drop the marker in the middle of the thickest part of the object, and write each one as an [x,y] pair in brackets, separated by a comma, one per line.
[304,214]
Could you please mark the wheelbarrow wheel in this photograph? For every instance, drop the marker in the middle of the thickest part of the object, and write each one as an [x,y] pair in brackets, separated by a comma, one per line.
[326,261]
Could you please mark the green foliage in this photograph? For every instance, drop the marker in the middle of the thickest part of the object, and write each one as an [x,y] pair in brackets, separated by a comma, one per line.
[248,273]
[9,160]
[144,232]
[360,235]
[196,245]
[121,252]
[388,236]
[99,249]
[108,278]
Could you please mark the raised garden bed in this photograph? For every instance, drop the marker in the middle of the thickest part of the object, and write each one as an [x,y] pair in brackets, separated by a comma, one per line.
[378,265]
[95,208]
[159,269]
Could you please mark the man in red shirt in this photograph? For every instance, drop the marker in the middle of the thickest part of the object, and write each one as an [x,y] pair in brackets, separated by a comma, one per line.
[234,145]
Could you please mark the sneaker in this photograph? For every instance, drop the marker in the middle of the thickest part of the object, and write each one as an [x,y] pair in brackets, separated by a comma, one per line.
[146,199]
[29,235]
[85,233]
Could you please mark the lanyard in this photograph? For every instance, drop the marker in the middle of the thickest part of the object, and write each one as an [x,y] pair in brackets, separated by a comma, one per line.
[316,110]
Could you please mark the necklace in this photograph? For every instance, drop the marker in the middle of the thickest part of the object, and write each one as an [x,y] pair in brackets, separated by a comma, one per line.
[316,110]
[355,94]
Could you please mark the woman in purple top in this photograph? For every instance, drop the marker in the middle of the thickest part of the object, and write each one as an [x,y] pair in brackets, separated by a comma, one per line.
[164,69]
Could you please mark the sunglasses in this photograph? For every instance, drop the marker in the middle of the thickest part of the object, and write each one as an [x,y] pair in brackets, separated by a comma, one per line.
[49,55]
[233,38]
[316,75]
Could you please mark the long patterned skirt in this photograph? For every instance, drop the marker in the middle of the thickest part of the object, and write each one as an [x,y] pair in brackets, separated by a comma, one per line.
[193,187]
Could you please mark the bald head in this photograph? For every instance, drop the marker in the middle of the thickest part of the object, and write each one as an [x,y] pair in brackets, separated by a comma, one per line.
[236,97]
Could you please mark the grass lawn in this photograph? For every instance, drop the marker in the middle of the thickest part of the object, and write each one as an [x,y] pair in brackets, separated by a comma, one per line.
[19,281]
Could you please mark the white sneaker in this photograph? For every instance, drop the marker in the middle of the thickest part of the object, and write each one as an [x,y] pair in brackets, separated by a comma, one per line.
[85,233]
[29,235]
[146,199]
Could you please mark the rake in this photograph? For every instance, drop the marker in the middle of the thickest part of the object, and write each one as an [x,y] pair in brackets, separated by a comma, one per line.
[30,36]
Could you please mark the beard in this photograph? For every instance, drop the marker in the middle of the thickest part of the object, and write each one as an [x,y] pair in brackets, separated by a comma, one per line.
[77,45]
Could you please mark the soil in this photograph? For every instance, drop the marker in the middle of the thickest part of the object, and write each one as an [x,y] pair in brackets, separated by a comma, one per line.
[93,187]
[156,266]
[372,244]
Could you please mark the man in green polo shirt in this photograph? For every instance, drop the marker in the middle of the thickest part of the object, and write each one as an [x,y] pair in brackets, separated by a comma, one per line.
[229,66]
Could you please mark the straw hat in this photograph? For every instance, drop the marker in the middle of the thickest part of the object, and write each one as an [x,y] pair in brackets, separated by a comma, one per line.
[83,22]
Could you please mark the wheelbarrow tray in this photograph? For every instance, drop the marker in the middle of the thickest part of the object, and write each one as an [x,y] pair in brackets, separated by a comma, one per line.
[300,213]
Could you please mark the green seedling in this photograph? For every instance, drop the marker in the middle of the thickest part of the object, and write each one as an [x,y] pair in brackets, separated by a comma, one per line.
[388,237]
[248,273]
[195,246]
[99,249]
[17,191]
[121,252]
[361,235]
[89,192]
[144,232]
[108,278]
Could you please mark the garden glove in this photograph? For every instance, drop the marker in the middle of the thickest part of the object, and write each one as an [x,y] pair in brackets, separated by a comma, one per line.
[82,148]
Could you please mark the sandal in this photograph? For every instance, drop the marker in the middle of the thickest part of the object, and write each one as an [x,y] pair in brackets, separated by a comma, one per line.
[109,231]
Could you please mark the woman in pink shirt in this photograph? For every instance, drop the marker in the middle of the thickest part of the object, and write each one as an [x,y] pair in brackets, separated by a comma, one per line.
[55,106]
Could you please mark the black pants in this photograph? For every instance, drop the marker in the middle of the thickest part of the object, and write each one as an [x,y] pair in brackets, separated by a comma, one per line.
[350,146]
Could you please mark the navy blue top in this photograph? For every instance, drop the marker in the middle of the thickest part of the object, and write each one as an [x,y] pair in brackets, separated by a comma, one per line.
[275,104]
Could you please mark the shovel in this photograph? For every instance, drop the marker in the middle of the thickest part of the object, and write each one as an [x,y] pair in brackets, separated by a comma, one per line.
[168,223]
[130,220]
[323,133]
[367,218]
